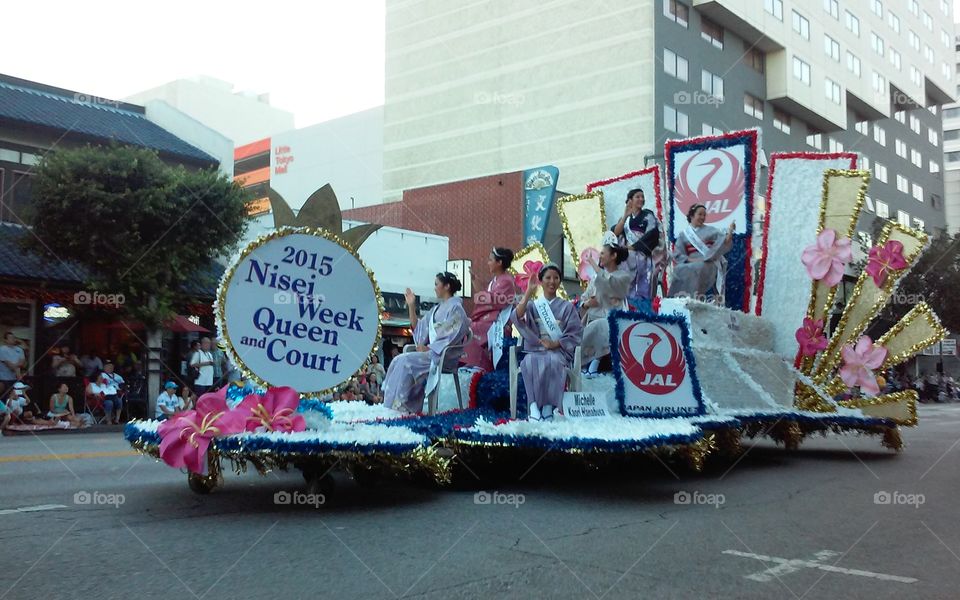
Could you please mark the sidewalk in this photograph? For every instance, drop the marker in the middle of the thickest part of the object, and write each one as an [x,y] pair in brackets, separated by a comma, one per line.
[14,430]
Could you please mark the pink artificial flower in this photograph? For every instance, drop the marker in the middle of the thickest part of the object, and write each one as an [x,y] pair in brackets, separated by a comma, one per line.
[585,271]
[531,268]
[274,411]
[826,259]
[859,363]
[810,337]
[885,259]
[186,437]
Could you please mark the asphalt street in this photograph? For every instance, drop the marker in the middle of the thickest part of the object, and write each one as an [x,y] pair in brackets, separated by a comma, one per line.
[82,516]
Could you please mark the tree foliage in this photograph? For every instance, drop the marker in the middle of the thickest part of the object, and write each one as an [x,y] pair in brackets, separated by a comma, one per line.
[139,227]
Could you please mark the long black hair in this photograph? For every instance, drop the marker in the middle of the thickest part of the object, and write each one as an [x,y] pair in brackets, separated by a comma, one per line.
[450,280]
[619,252]
[504,256]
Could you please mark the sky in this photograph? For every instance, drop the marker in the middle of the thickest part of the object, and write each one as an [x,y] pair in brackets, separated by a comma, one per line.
[319,59]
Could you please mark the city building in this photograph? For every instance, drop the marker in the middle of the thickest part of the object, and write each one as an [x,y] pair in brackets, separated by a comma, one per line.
[951,158]
[242,117]
[596,88]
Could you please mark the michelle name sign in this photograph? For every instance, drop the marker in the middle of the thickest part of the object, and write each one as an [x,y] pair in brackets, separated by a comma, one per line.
[653,366]
[298,308]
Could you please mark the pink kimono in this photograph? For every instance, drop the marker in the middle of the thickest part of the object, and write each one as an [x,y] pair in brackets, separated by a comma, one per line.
[500,294]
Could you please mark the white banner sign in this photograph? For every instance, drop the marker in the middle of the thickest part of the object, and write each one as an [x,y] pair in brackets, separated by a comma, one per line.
[298,309]
[584,405]
[651,363]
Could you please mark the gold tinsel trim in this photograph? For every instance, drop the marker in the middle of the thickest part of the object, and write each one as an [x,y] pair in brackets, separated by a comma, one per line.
[568,234]
[845,331]
[228,276]
[909,396]
[529,252]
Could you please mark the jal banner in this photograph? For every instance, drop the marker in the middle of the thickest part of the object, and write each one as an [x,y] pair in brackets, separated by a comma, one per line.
[299,309]
[653,366]
[719,173]
[539,188]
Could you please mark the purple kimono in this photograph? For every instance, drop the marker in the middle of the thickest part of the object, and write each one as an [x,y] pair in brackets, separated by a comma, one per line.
[405,385]
[545,371]
[641,234]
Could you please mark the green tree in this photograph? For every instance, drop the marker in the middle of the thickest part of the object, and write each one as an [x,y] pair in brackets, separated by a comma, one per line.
[137,226]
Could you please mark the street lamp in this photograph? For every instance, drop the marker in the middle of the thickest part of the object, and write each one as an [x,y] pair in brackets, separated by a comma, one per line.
[463,270]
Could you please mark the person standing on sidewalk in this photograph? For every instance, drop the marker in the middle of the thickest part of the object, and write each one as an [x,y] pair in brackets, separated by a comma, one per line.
[202,361]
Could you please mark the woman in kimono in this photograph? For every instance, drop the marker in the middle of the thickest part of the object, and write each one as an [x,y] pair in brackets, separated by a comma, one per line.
[413,375]
[551,332]
[491,307]
[611,284]
[639,231]
[697,252]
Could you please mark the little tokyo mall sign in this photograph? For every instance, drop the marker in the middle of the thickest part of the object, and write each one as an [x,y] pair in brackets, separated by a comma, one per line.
[299,309]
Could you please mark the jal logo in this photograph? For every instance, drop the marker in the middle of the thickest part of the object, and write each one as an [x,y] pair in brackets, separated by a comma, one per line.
[652,358]
[713,178]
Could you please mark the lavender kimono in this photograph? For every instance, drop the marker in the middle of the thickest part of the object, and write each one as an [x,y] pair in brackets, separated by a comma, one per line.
[407,378]
[488,307]
[545,371]
[641,234]
[696,272]
[611,290]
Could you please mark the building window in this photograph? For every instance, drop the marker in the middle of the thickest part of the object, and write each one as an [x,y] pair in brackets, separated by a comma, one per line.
[801,25]
[831,47]
[879,135]
[879,83]
[877,7]
[754,59]
[952,157]
[951,134]
[918,224]
[17,201]
[895,59]
[711,84]
[674,120]
[678,12]
[914,41]
[915,123]
[865,239]
[861,126]
[945,7]
[900,116]
[711,32]
[781,120]
[903,218]
[945,70]
[915,77]
[936,202]
[753,106]
[852,23]
[868,204]
[916,159]
[711,130]
[832,7]
[815,140]
[832,90]
[894,21]
[675,65]
[864,162]
[934,166]
[900,148]
[876,42]
[928,53]
[853,63]
[880,172]
[834,145]
[917,192]
[944,38]
[927,21]
[915,8]
[883,209]
[774,7]
[902,184]
[801,70]
[951,113]
[933,137]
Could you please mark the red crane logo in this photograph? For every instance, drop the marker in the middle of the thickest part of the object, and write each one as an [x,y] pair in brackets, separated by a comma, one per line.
[719,204]
[647,375]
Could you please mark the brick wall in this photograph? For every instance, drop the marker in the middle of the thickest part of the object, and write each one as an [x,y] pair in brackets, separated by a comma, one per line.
[475,214]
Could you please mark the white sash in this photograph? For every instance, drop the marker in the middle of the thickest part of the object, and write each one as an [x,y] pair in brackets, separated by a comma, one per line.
[546,317]
[433,378]
[495,335]
[632,236]
[696,241]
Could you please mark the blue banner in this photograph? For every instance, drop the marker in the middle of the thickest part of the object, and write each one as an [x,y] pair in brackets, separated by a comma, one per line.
[539,187]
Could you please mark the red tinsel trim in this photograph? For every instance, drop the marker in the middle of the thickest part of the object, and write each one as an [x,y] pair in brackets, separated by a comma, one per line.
[774,156]
[656,305]
[474,383]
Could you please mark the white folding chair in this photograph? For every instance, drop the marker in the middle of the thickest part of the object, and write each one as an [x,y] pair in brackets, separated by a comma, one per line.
[573,377]
[434,396]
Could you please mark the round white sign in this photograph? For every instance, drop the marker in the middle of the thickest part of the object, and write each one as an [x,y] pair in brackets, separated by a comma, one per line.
[298,308]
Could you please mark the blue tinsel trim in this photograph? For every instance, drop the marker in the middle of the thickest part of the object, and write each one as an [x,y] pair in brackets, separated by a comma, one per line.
[308,404]
[671,319]
[579,444]
[237,444]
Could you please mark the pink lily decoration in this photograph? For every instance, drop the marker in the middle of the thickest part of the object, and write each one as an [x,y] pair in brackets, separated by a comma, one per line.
[531,268]
[884,260]
[274,411]
[826,259]
[810,337]
[585,271]
[186,437]
[859,363]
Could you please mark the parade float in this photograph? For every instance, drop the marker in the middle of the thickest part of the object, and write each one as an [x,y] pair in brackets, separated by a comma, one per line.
[300,314]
